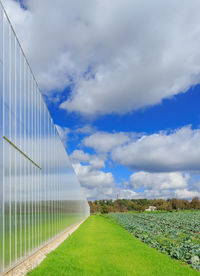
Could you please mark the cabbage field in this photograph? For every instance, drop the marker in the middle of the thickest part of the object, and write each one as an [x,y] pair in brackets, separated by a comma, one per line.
[176,234]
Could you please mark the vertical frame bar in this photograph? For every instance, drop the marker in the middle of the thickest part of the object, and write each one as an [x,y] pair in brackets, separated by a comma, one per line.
[1,141]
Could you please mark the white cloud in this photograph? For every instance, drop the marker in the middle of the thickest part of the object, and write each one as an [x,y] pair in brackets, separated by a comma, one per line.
[95,162]
[100,185]
[163,161]
[151,194]
[110,193]
[95,182]
[163,185]
[126,193]
[100,193]
[86,129]
[91,178]
[186,194]
[119,55]
[63,133]
[162,152]
[79,156]
[104,142]
[159,181]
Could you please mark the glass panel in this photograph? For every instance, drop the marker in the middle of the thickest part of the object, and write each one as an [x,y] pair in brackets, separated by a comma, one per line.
[6,150]
[1,141]
[17,157]
[22,159]
[39,192]
[12,150]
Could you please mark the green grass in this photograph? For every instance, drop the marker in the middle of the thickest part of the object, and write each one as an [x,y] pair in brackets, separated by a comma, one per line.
[102,247]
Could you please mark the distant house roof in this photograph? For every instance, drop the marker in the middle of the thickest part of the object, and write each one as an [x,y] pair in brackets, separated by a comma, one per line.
[151,208]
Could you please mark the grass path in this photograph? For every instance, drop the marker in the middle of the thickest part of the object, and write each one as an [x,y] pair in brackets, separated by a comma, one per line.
[101,247]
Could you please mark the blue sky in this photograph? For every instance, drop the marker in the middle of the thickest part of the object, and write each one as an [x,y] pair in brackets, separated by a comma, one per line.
[122,83]
[181,110]
[174,113]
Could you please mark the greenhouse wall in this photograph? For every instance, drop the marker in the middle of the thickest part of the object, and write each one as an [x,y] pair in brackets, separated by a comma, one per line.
[40,195]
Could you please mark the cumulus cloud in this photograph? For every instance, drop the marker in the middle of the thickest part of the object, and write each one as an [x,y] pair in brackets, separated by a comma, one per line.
[165,164]
[63,133]
[86,129]
[110,193]
[79,156]
[95,162]
[159,181]
[117,55]
[95,182]
[98,184]
[163,185]
[126,193]
[186,194]
[91,178]
[100,193]
[105,142]
[162,152]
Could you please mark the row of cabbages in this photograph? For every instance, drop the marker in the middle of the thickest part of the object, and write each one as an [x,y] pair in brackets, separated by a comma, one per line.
[177,234]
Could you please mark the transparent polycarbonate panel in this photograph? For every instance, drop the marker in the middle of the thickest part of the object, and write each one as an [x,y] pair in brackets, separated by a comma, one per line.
[17,155]
[42,175]
[22,159]
[40,195]
[48,176]
[31,167]
[1,141]
[50,181]
[28,165]
[12,150]
[26,184]
[6,150]
[34,172]
[39,150]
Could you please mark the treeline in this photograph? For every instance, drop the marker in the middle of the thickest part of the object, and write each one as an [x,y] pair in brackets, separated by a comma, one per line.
[124,205]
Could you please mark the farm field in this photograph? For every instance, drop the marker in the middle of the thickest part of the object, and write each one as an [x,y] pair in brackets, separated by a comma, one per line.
[101,247]
[176,234]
